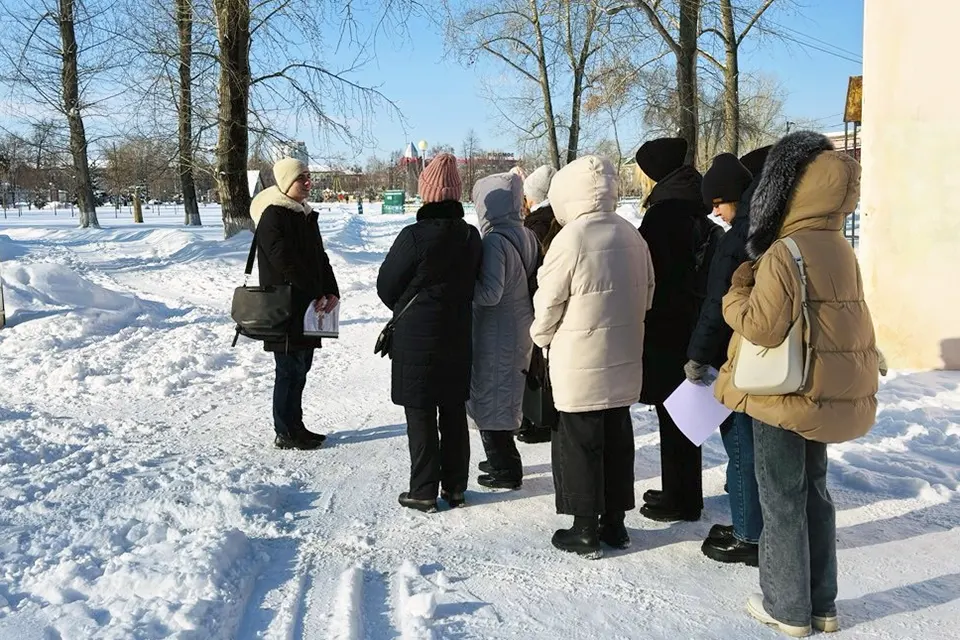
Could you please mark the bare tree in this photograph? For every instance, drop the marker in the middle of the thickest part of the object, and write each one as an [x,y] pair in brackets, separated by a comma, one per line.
[552,46]
[731,35]
[470,149]
[185,113]
[58,52]
[680,35]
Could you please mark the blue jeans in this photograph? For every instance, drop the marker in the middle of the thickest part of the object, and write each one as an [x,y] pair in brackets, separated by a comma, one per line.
[737,434]
[798,548]
[292,368]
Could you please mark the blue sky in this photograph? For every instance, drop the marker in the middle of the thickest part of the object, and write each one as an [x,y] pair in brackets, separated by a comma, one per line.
[441,99]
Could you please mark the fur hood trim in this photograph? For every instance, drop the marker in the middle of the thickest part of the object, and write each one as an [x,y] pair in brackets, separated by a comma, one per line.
[273,197]
[784,166]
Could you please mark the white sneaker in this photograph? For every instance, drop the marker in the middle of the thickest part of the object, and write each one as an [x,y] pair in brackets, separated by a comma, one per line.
[755,608]
[827,624]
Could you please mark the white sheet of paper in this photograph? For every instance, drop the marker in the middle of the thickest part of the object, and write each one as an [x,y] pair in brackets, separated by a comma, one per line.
[697,413]
[325,325]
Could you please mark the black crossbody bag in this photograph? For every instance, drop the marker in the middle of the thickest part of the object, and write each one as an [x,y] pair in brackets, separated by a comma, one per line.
[261,312]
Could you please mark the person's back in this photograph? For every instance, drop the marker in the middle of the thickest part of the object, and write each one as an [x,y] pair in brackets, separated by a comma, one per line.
[595,287]
[502,313]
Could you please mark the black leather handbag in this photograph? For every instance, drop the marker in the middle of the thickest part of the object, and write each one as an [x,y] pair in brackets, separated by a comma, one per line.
[385,339]
[261,313]
[538,405]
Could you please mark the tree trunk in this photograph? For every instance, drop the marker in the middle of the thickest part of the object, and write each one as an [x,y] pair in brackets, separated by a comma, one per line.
[553,147]
[71,107]
[687,75]
[191,210]
[137,209]
[731,81]
[233,20]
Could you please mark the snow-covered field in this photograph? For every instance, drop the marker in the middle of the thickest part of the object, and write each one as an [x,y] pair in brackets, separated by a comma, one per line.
[140,496]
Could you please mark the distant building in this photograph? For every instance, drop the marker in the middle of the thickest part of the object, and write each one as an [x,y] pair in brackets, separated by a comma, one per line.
[847,142]
[254,182]
[292,149]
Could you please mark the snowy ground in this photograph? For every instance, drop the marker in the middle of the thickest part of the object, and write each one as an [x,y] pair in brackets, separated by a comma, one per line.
[140,496]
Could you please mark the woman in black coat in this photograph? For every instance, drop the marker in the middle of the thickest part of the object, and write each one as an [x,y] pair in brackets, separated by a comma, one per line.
[290,251]
[681,239]
[437,260]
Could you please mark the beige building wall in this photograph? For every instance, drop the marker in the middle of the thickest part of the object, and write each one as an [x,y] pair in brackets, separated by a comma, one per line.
[910,230]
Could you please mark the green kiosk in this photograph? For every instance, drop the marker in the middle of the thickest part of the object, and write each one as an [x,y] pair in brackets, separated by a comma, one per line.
[393,201]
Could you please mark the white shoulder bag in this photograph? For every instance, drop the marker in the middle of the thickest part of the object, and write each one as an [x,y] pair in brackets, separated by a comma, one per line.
[780,370]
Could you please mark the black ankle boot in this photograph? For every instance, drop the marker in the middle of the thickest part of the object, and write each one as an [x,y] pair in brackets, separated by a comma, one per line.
[730,550]
[420,504]
[612,531]
[500,480]
[582,538]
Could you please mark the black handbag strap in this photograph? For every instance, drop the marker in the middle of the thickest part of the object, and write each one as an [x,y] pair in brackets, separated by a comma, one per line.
[452,256]
[253,253]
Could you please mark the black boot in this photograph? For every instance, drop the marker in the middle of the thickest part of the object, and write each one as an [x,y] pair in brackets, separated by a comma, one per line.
[485,466]
[653,497]
[582,538]
[720,532]
[286,442]
[424,505]
[535,435]
[613,533]
[309,436]
[500,480]
[731,550]
[453,498]
[665,513]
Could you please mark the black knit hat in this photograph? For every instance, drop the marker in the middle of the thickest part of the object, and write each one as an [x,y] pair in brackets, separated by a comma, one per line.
[755,160]
[726,180]
[660,157]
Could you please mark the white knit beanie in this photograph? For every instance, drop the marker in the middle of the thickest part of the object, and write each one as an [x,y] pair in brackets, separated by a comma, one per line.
[537,184]
[286,171]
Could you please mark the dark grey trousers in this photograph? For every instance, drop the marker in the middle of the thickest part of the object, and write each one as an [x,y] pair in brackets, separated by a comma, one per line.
[798,546]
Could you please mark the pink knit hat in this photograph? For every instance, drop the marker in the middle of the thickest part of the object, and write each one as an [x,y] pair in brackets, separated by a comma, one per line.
[440,180]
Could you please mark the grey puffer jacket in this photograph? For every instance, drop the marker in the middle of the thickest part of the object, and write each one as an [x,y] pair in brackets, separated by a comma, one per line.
[502,310]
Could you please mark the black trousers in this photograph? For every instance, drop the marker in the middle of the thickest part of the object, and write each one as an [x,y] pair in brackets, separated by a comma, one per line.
[502,454]
[439,451]
[593,462]
[680,466]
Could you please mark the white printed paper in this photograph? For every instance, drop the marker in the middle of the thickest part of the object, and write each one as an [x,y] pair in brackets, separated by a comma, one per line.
[321,325]
[695,410]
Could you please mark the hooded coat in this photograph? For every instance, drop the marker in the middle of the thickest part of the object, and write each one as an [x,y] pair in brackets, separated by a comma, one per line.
[806,191]
[595,287]
[290,251]
[502,310]
[439,257]
[673,225]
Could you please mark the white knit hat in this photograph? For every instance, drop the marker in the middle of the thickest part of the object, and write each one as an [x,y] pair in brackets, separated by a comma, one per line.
[537,184]
[286,172]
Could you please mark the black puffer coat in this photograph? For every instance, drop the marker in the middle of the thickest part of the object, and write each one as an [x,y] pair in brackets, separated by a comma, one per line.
[432,346]
[290,251]
[672,227]
[539,222]
[711,337]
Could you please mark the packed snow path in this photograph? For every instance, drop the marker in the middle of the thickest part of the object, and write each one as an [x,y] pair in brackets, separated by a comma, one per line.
[140,496]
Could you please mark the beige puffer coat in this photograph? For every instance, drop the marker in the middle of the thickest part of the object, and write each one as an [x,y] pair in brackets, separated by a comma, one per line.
[839,400]
[595,287]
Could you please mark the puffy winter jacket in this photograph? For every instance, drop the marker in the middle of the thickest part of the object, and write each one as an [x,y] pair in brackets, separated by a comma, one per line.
[502,311]
[806,200]
[439,257]
[595,287]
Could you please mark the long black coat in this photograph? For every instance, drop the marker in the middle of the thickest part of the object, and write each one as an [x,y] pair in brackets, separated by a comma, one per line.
[432,346]
[711,337]
[672,227]
[290,251]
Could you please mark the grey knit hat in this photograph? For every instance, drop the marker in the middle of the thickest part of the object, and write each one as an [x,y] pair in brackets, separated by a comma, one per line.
[537,184]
